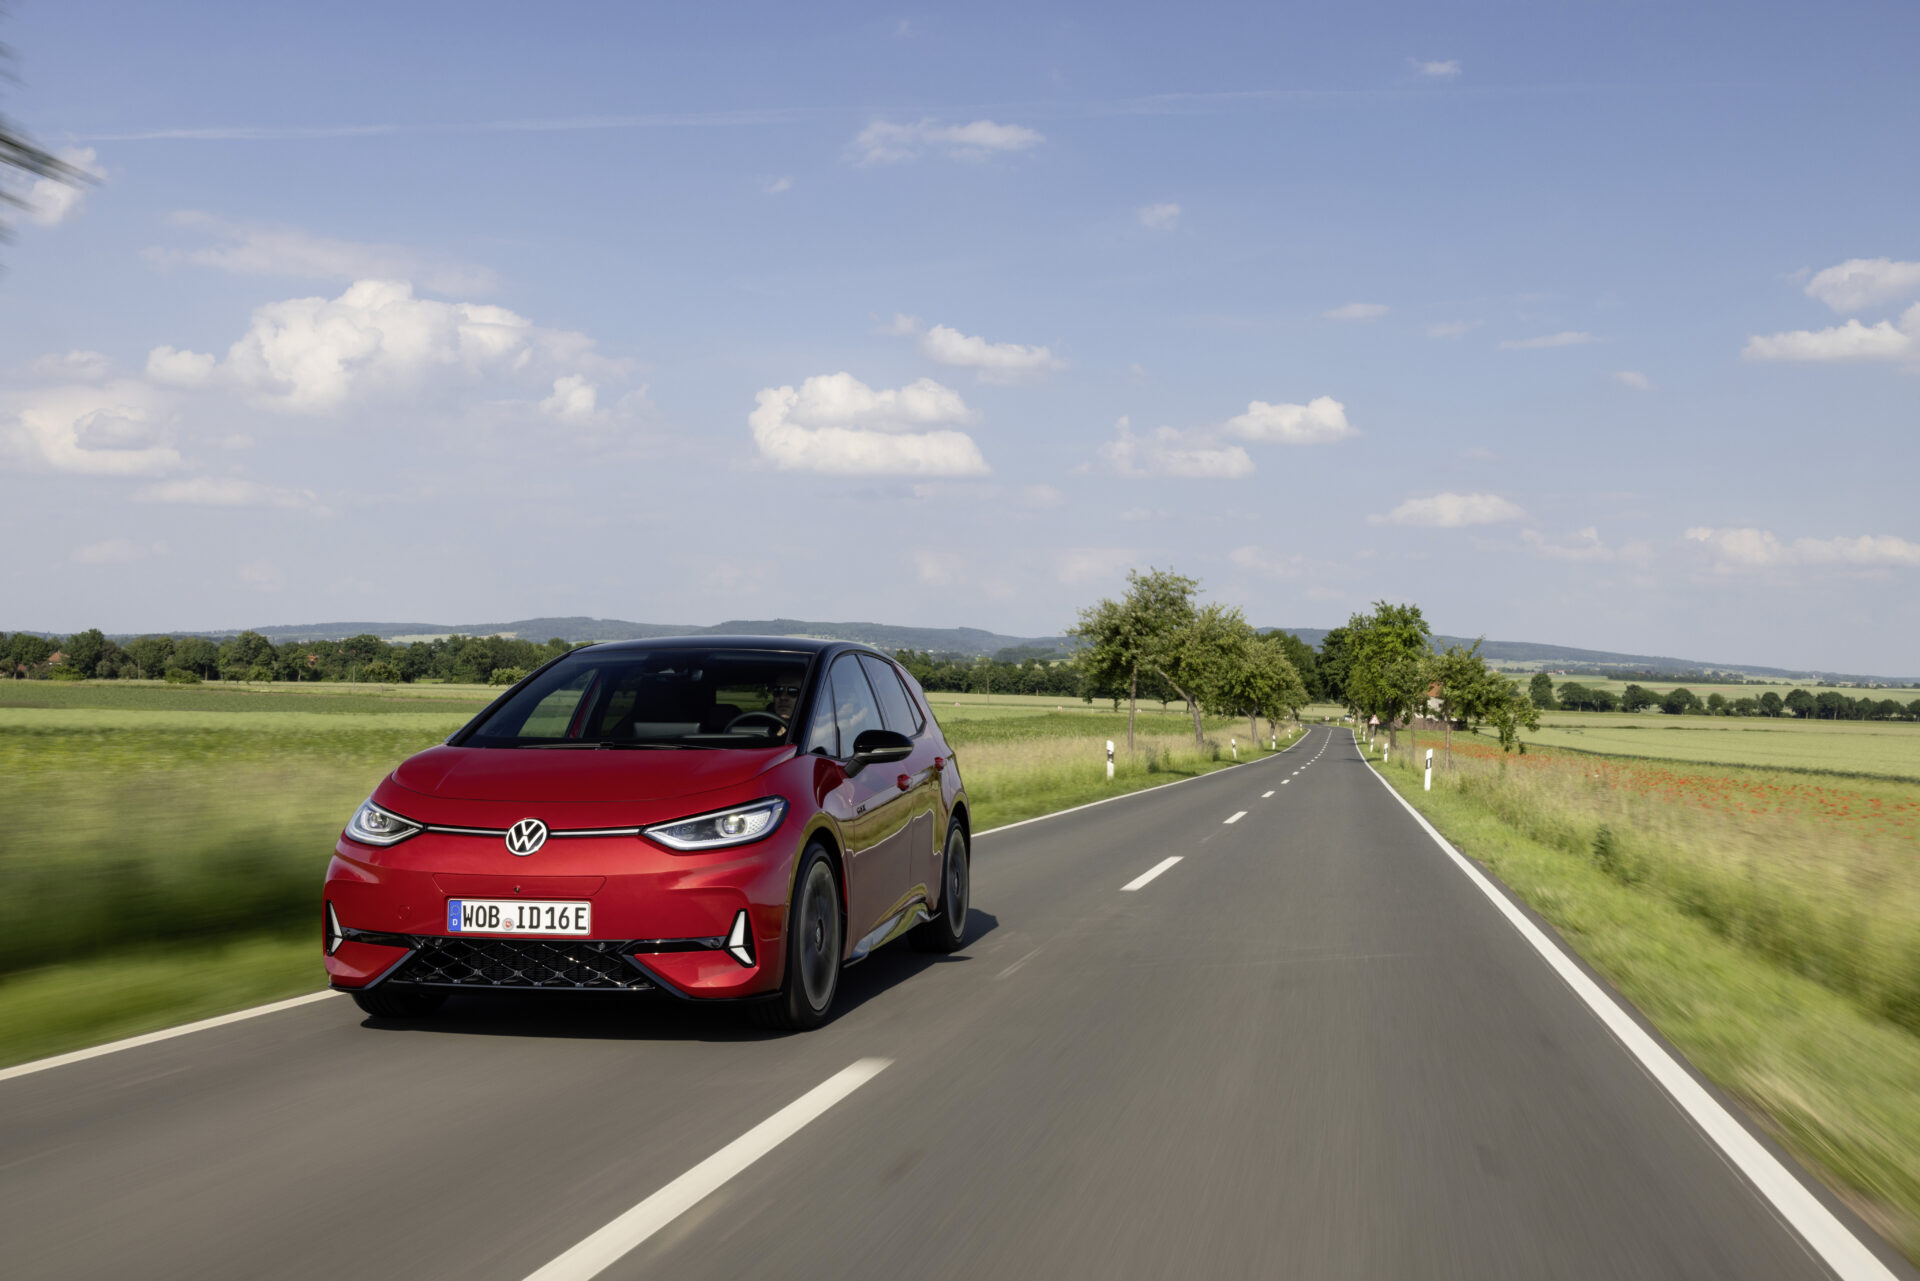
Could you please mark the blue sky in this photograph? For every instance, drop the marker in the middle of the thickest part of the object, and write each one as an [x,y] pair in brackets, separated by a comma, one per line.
[1589,324]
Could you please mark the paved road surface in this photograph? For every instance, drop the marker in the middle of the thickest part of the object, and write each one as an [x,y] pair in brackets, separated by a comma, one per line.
[1309,1048]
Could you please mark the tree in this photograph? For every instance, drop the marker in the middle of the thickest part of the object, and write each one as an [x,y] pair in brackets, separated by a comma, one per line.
[1800,703]
[1388,674]
[150,655]
[1540,690]
[29,651]
[1264,683]
[1717,704]
[1677,701]
[196,654]
[1638,698]
[1120,636]
[85,650]
[1299,655]
[1199,659]
[1770,704]
[1475,694]
[1332,664]
[19,155]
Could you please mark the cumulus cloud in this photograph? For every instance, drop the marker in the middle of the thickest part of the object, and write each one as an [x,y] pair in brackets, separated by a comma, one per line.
[1357,311]
[1160,217]
[836,424]
[116,429]
[49,201]
[1451,511]
[573,399]
[1585,545]
[1633,378]
[180,368]
[1001,360]
[1848,343]
[1862,282]
[82,366]
[1565,338]
[1259,560]
[117,551]
[886,142]
[288,251]
[226,491]
[1075,565]
[1319,421]
[1169,451]
[1752,549]
[1438,70]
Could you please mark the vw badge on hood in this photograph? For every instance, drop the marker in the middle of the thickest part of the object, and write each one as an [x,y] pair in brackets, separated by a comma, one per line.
[526,836]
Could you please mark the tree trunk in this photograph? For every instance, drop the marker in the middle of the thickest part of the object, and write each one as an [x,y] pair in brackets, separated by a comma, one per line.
[1194,707]
[1253,726]
[1133,700]
[1449,744]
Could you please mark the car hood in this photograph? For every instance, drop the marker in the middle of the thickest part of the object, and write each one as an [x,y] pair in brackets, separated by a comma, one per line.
[581,775]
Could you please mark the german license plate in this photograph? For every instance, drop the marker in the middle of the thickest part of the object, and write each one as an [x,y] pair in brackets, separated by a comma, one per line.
[517,916]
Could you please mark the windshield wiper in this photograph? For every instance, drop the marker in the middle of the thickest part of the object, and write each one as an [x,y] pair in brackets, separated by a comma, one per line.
[622,743]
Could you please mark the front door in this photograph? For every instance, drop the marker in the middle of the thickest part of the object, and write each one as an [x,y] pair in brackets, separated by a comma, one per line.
[877,829]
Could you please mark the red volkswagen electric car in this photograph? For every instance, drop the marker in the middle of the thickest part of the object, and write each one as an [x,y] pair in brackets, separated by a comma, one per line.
[713,818]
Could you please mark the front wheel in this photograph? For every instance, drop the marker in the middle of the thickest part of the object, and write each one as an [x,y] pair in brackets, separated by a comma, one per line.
[813,949]
[947,932]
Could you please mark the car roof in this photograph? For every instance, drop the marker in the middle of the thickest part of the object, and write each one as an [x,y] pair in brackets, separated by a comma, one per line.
[790,644]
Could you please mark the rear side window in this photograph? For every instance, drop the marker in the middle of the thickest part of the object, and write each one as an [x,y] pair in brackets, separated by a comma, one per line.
[854,710]
[895,707]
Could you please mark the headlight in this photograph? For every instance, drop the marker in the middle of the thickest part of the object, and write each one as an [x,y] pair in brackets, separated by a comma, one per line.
[371,825]
[722,828]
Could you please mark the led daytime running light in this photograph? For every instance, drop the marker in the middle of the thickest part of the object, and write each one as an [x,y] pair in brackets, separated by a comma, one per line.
[723,828]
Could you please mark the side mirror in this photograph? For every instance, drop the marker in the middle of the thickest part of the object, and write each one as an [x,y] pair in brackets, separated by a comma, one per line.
[876,747]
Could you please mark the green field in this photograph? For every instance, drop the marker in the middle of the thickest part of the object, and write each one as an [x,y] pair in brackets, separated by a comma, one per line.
[150,826]
[1729,690]
[1889,749]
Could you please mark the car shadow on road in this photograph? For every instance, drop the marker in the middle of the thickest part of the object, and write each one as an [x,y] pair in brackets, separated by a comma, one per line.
[616,1016]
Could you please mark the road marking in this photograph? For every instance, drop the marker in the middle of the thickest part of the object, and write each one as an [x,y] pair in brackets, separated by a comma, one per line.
[1265,795]
[165,1034]
[1150,873]
[1127,796]
[1285,781]
[1017,964]
[1816,1225]
[1237,817]
[607,1246]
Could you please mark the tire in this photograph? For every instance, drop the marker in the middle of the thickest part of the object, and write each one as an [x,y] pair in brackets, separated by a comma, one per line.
[947,932]
[814,943]
[399,1003]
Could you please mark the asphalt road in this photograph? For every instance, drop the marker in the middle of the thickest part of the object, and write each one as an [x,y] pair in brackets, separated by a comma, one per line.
[1309,1048]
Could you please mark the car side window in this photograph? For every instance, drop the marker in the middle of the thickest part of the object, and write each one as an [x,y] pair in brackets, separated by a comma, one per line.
[822,735]
[896,709]
[853,707]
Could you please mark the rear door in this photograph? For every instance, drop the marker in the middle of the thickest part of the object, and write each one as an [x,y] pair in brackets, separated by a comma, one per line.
[922,792]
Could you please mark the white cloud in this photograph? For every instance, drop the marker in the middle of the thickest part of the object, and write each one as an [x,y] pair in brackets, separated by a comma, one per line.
[1862,282]
[1451,511]
[1565,338]
[573,399]
[288,251]
[1748,548]
[1439,70]
[836,424]
[1075,565]
[1357,311]
[83,366]
[1852,341]
[1585,545]
[112,430]
[226,491]
[180,368]
[50,202]
[1003,360]
[1168,451]
[1041,496]
[1160,217]
[779,186]
[886,142]
[1448,329]
[1317,422]
[1260,561]
[117,551]
[938,568]
[1633,378]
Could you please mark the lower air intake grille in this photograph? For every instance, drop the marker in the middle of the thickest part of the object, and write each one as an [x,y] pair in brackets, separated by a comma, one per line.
[515,963]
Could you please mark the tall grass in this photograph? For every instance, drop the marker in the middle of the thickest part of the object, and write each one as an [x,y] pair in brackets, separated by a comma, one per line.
[1823,881]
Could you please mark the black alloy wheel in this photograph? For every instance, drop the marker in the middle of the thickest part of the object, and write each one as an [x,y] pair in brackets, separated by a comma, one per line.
[399,1003]
[947,932]
[813,949]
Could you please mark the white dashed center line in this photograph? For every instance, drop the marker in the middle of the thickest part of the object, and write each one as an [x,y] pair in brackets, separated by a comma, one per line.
[1150,873]
[1237,817]
[1265,795]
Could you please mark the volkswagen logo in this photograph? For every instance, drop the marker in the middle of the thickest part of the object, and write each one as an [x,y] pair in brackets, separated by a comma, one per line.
[526,836]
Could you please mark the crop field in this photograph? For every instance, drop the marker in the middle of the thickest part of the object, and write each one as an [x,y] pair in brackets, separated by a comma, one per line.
[1727,690]
[1766,920]
[151,826]
[1888,749]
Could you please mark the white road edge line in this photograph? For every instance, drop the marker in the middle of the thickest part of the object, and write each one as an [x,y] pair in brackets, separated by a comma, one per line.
[1237,817]
[1265,795]
[1823,1232]
[607,1246]
[1150,873]
[164,1034]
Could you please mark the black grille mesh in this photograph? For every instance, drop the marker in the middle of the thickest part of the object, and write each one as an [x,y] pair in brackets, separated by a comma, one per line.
[520,963]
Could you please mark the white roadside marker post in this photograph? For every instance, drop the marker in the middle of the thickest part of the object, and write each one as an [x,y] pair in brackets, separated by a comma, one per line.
[1236,747]
[1429,782]
[1109,760]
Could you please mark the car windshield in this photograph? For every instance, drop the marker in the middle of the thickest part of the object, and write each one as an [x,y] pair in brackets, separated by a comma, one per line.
[651,698]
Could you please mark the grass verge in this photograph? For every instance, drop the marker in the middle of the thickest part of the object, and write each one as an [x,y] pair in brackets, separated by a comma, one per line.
[1838,1086]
